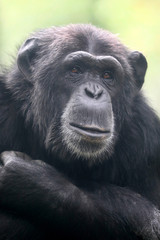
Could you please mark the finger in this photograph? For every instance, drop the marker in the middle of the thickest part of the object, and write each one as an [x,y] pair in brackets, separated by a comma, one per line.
[40,162]
[7,157]
[22,155]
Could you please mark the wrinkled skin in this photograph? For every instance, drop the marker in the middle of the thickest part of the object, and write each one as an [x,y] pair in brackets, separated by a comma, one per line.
[80,148]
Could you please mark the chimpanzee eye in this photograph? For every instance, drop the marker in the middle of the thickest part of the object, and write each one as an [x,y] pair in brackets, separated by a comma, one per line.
[107,75]
[76,69]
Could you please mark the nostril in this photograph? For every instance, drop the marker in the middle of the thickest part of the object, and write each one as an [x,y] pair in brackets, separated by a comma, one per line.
[89,93]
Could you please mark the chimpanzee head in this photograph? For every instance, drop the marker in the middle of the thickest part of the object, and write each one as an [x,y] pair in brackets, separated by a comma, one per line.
[82,82]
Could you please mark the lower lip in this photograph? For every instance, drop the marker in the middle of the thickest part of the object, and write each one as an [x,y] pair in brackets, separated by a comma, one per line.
[90,133]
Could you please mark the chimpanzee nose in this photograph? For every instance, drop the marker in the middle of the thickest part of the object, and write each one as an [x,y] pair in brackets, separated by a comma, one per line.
[93,90]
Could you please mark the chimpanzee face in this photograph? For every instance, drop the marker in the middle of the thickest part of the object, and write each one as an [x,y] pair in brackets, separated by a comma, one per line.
[80,80]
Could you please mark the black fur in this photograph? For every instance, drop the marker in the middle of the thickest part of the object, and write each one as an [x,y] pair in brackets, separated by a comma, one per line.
[83,187]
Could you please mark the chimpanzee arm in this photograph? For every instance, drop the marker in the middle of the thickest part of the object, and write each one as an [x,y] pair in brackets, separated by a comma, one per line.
[42,195]
[14,227]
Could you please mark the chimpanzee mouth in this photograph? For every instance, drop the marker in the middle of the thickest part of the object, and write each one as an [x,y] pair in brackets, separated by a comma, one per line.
[95,132]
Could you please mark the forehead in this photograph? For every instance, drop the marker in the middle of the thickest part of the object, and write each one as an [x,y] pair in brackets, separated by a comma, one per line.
[90,39]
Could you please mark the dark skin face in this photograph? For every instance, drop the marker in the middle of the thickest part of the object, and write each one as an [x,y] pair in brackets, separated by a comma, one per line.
[83,113]
[83,106]
[88,116]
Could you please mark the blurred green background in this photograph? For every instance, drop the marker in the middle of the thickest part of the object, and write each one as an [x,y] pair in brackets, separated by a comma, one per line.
[136,21]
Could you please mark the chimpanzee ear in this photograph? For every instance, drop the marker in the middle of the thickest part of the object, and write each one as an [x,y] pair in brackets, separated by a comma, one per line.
[139,64]
[26,55]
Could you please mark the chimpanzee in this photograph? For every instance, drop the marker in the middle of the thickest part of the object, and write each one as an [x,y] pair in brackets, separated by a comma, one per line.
[80,147]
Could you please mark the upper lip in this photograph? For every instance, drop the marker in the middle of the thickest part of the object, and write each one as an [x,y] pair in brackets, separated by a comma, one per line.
[92,130]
